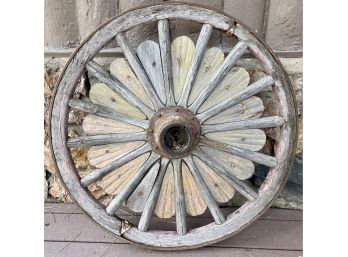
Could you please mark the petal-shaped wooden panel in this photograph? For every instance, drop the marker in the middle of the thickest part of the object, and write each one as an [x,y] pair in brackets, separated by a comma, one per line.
[212,60]
[221,190]
[93,124]
[101,94]
[114,182]
[102,155]
[137,200]
[121,70]
[237,166]
[235,81]
[150,56]
[165,207]
[250,108]
[251,139]
[194,201]
[182,52]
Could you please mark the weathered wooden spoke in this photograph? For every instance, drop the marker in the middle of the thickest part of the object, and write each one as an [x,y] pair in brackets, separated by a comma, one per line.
[251,90]
[97,174]
[239,185]
[267,122]
[118,200]
[264,159]
[138,69]
[196,61]
[229,62]
[164,42]
[105,139]
[175,128]
[181,227]
[151,201]
[208,197]
[106,112]
[105,77]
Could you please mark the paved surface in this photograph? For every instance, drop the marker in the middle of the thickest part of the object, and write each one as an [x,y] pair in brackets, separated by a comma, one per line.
[69,232]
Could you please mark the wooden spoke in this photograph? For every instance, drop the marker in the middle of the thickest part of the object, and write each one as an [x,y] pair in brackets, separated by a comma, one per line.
[105,77]
[208,197]
[251,90]
[164,42]
[150,57]
[229,62]
[180,209]
[151,201]
[138,70]
[264,159]
[237,184]
[266,122]
[105,139]
[97,174]
[106,112]
[136,201]
[118,200]
[195,63]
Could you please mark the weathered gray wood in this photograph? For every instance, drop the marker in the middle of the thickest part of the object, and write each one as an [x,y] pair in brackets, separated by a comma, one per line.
[150,57]
[138,70]
[264,159]
[208,197]
[105,112]
[266,122]
[136,201]
[270,214]
[105,77]
[118,200]
[180,209]
[227,65]
[243,188]
[105,139]
[284,150]
[151,201]
[95,249]
[270,234]
[251,90]
[164,42]
[195,63]
[97,174]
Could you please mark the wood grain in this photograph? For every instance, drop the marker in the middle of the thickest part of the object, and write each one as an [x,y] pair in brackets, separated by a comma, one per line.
[251,90]
[212,60]
[136,201]
[152,200]
[121,70]
[138,70]
[97,174]
[106,112]
[250,108]
[150,57]
[100,156]
[207,195]
[201,45]
[219,75]
[182,53]
[164,42]
[96,125]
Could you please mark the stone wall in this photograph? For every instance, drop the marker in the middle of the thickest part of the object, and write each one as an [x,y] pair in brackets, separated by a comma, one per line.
[68,22]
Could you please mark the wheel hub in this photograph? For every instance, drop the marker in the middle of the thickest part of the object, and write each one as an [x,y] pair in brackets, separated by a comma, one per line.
[174,132]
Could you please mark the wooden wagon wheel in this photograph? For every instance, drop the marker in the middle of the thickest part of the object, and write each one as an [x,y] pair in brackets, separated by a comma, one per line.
[174,128]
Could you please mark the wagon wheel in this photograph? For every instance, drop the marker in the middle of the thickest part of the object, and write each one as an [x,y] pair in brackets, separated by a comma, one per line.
[174,128]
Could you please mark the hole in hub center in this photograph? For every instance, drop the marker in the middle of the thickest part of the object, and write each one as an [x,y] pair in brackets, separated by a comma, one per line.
[176,138]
